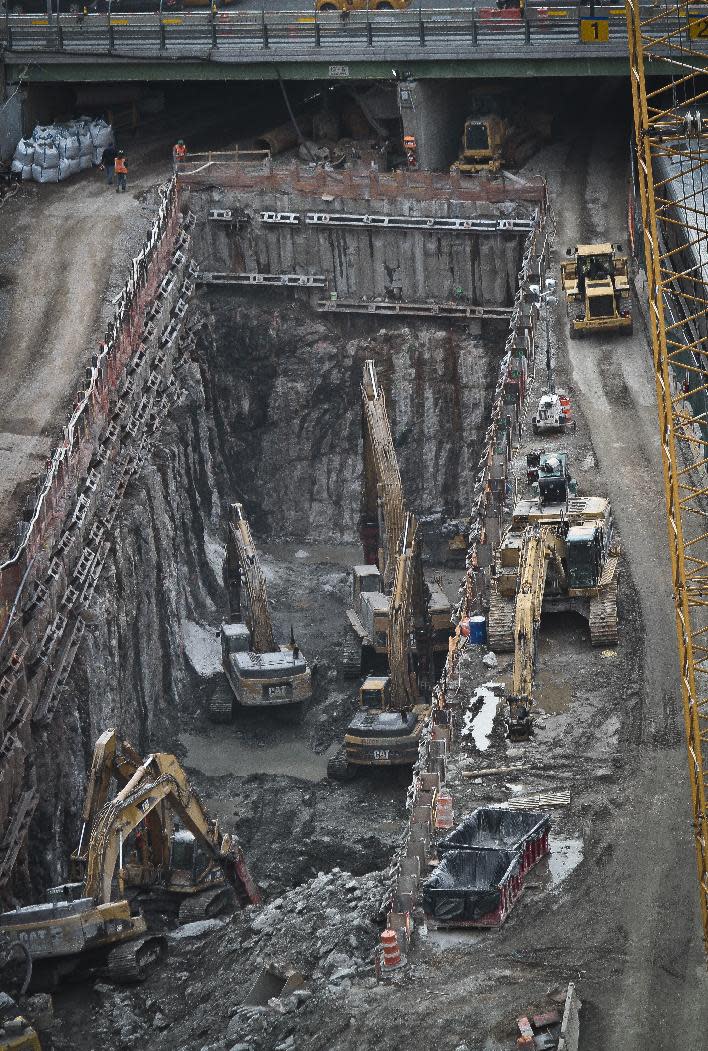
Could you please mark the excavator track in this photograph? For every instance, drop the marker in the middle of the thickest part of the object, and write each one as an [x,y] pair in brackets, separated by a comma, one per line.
[133,960]
[350,660]
[500,624]
[221,704]
[603,617]
[339,769]
[207,904]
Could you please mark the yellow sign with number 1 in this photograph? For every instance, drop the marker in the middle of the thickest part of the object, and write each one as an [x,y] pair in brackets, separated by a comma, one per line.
[594,30]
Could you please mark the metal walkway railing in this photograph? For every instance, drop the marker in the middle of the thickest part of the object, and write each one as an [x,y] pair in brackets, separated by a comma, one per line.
[291,36]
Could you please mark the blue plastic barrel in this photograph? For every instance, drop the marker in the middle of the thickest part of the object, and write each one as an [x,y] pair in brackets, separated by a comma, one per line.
[478,630]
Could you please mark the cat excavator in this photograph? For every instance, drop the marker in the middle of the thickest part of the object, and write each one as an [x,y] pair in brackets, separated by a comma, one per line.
[541,546]
[380,526]
[586,545]
[167,866]
[392,708]
[81,928]
[258,671]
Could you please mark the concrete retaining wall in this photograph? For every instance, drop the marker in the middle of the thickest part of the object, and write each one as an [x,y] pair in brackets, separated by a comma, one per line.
[368,262]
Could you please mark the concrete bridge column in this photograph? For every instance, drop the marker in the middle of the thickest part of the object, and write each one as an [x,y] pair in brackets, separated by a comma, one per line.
[10,115]
[434,112]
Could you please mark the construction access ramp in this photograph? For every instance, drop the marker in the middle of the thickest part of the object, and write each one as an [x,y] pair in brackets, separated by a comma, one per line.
[81,928]
[259,673]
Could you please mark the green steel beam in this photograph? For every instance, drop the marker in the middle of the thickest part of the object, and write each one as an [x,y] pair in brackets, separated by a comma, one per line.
[37,68]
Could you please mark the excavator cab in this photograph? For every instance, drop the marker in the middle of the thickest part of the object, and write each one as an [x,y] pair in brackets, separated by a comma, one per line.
[375,692]
[585,555]
[186,857]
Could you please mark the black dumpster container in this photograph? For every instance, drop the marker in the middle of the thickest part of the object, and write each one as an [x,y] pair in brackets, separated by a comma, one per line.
[473,887]
[496,827]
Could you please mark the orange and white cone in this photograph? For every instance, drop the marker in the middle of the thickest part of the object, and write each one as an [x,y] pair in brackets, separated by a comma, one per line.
[391,950]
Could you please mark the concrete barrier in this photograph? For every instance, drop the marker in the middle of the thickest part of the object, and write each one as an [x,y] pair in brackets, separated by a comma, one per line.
[485,519]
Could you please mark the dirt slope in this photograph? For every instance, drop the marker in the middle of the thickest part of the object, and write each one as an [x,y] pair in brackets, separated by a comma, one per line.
[70,251]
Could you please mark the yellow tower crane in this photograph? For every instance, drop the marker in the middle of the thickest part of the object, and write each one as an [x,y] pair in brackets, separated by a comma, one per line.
[672,171]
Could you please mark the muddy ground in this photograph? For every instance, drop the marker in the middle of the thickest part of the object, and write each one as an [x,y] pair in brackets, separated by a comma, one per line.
[615,910]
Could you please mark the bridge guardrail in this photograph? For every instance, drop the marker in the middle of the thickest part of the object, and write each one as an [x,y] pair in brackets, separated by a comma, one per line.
[290,35]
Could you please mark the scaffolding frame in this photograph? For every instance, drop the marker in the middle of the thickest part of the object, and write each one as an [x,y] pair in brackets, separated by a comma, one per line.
[672,173]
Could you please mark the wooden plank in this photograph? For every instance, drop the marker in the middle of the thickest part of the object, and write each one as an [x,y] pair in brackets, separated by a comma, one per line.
[539,799]
[491,770]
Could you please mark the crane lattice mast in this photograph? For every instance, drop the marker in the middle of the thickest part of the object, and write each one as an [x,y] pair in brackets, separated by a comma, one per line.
[672,172]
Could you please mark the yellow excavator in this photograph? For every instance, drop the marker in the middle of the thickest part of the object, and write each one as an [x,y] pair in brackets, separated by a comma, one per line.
[167,866]
[381,522]
[596,286]
[540,546]
[259,672]
[586,547]
[392,708]
[81,928]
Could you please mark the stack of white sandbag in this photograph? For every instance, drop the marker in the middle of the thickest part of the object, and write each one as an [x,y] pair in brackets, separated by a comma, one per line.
[57,151]
[24,158]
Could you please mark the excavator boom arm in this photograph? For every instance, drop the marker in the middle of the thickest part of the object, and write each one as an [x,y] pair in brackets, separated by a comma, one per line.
[408,603]
[160,779]
[242,553]
[540,544]
[382,501]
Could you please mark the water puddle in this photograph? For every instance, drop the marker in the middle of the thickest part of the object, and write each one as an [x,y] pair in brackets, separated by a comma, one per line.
[227,754]
[479,718]
[553,697]
[450,939]
[565,856]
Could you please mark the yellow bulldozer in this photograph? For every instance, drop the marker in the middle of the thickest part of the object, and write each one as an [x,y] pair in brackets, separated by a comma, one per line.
[596,285]
[491,142]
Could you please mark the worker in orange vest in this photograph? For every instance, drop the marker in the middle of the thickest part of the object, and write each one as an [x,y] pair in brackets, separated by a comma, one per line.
[121,170]
[179,153]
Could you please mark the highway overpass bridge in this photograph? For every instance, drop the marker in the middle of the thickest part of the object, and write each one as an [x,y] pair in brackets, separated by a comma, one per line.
[422,42]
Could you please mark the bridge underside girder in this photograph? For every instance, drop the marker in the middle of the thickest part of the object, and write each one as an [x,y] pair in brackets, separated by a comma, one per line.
[53,68]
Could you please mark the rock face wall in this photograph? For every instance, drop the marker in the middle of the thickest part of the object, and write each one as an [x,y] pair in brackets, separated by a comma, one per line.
[287,425]
[272,417]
